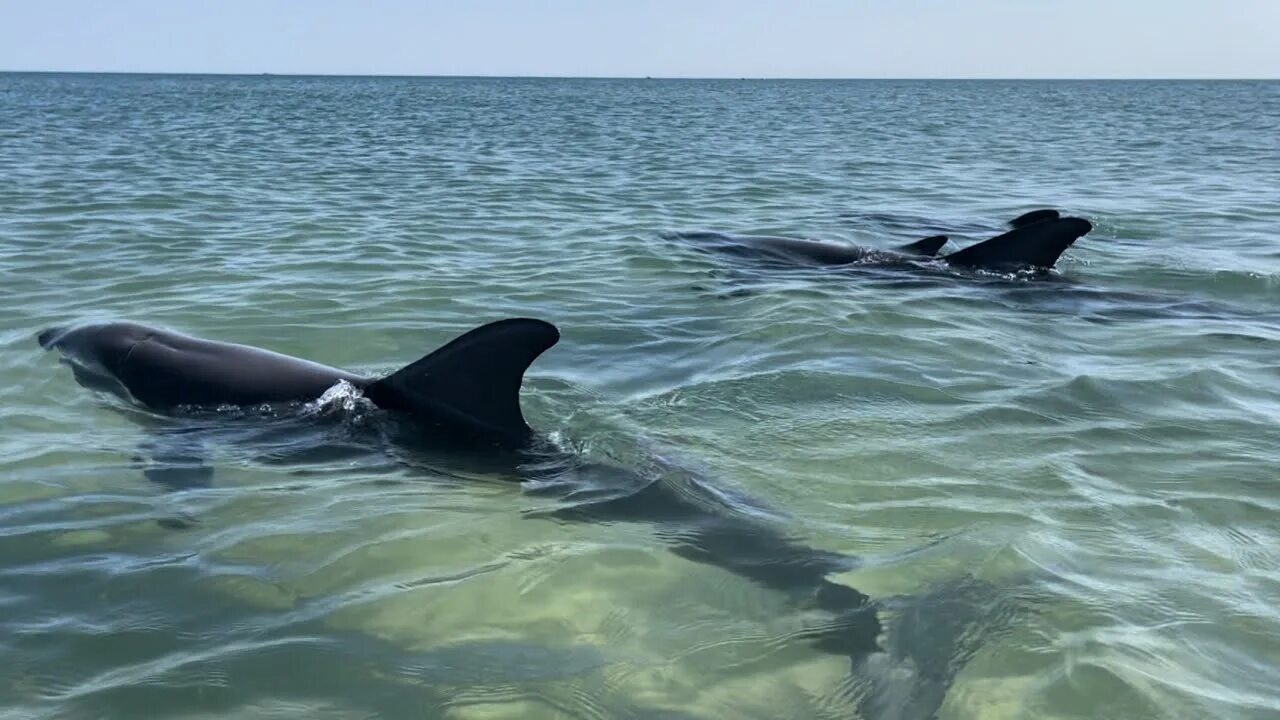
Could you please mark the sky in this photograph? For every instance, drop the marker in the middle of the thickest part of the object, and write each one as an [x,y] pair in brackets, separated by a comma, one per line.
[658,38]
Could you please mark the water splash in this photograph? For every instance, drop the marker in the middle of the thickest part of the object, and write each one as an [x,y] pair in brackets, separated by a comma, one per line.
[344,400]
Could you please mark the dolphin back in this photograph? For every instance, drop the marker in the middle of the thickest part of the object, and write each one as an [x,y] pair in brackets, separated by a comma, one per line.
[164,370]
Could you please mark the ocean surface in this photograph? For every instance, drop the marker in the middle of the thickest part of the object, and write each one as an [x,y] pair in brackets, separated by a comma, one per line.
[1063,490]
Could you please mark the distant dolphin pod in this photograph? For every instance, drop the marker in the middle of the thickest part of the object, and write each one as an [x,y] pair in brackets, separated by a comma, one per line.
[1035,242]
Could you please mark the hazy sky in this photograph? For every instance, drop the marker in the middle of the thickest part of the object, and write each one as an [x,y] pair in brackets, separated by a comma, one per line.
[662,38]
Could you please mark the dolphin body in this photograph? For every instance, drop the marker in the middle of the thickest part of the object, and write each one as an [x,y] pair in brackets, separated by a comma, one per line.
[1035,242]
[464,398]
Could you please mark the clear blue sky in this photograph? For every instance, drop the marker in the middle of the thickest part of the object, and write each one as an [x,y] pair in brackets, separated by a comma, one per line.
[662,38]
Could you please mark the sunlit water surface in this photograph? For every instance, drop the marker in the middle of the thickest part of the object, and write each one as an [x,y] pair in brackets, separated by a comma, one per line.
[1102,447]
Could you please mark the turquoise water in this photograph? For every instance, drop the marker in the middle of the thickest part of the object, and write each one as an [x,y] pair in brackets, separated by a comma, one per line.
[1101,450]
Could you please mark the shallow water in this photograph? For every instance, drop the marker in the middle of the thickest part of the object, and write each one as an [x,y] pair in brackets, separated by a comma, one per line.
[1101,448]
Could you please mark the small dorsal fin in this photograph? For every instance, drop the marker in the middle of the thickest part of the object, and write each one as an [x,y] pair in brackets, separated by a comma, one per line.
[1037,245]
[1033,217]
[471,386]
[928,246]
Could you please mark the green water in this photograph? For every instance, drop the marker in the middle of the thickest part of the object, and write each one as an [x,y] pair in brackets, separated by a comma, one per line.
[1102,449]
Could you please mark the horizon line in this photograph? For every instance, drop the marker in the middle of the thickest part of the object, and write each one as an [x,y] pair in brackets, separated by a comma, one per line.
[1063,78]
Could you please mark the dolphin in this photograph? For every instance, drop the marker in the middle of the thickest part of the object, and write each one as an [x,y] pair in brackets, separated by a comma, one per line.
[467,388]
[464,397]
[1035,242]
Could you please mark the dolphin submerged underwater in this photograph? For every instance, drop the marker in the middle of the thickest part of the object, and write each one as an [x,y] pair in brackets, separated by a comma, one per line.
[464,399]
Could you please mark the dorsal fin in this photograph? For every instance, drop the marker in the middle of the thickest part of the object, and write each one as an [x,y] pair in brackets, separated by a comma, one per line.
[1033,217]
[471,386]
[1037,245]
[928,246]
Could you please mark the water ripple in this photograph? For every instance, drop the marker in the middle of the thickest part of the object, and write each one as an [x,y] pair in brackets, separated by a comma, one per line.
[1099,446]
